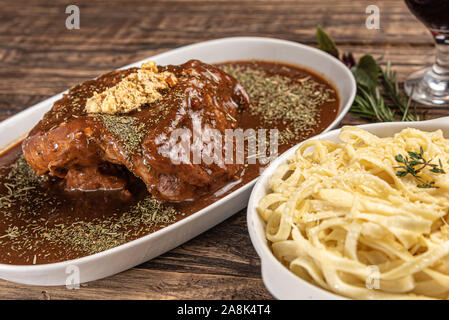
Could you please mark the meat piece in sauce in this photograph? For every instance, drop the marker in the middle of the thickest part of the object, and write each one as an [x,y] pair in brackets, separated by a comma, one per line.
[90,151]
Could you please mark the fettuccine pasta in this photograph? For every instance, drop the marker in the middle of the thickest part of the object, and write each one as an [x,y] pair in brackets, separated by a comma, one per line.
[340,216]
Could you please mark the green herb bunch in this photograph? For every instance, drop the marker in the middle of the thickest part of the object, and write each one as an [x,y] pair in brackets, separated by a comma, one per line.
[373,84]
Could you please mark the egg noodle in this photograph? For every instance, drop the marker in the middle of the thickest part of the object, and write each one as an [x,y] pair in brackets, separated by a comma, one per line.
[339,216]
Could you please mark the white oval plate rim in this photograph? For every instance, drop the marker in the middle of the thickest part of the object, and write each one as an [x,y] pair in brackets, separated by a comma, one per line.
[344,109]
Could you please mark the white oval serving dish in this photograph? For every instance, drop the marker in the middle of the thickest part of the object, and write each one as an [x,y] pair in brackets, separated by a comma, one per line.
[279,280]
[128,255]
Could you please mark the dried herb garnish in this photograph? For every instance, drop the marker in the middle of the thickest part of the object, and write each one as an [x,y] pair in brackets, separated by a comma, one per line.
[22,183]
[11,233]
[97,235]
[127,129]
[22,175]
[414,164]
[280,99]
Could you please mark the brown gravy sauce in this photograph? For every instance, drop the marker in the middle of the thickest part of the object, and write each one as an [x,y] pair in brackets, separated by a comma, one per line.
[22,236]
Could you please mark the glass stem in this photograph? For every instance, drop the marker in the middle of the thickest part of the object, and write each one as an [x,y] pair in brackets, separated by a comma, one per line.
[441,65]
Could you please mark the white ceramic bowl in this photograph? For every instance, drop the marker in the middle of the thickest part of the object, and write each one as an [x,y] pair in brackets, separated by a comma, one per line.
[128,255]
[280,281]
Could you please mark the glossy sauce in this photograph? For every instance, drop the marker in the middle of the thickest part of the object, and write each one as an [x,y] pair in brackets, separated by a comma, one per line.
[68,208]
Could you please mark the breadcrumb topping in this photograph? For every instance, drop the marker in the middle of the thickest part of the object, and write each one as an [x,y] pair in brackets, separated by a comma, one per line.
[133,91]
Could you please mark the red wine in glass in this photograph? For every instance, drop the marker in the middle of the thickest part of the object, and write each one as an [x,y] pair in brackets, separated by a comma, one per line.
[431,85]
[433,13]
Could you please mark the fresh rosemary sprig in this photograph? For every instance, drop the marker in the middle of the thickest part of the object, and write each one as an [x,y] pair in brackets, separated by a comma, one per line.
[415,163]
[372,81]
[371,105]
[391,87]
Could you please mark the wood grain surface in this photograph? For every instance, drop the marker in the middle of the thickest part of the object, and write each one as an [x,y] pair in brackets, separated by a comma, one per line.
[39,57]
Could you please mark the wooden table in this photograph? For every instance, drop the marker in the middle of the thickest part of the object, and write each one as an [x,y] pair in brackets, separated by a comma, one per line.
[39,57]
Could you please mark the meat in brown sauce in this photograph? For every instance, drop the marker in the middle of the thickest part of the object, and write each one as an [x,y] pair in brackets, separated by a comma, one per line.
[90,151]
[40,223]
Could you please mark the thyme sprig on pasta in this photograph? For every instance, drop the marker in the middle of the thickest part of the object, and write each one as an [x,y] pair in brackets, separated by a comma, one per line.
[332,213]
[414,164]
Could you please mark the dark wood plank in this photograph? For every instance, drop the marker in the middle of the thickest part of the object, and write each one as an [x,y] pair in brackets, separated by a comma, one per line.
[39,56]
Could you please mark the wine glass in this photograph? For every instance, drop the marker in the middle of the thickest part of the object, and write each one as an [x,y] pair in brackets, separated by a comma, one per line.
[431,85]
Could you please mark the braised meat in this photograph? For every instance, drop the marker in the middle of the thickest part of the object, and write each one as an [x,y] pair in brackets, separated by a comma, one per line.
[93,151]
